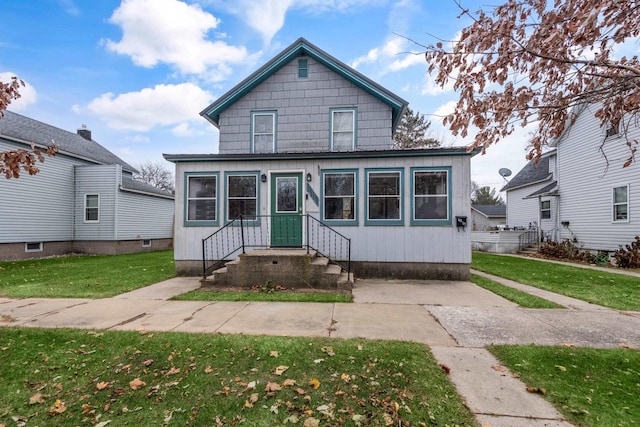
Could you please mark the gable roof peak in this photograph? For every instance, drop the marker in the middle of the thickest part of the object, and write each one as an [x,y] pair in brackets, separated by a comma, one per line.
[303,47]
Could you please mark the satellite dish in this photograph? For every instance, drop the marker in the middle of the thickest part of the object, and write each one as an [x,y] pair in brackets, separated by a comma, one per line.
[504,172]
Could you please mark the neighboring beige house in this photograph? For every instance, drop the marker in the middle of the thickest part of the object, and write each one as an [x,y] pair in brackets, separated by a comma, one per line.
[488,217]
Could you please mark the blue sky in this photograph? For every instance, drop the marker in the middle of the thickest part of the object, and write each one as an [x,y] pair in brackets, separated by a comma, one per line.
[138,72]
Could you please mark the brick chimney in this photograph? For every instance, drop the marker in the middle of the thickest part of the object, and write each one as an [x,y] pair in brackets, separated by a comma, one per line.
[85,133]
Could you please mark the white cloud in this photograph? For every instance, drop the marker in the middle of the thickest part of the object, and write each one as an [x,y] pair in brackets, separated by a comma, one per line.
[172,32]
[28,95]
[162,105]
[69,7]
[268,17]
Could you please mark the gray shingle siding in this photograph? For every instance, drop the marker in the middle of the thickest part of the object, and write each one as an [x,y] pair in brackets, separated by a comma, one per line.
[303,112]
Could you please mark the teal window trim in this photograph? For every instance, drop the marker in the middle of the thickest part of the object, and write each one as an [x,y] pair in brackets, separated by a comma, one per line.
[620,215]
[303,68]
[356,186]
[201,223]
[382,222]
[256,175]
[354,139]
[274,114]
[431,222]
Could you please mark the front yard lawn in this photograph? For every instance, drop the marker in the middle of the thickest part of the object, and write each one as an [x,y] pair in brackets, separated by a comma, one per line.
[617,291]
[590,387]
[85,276]
[523,299]
[70,377]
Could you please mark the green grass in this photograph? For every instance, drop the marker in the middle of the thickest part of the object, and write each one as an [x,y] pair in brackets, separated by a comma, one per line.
[617,291]
[280,296]
[86,378]
[590,387]
[84,276]
[523,299]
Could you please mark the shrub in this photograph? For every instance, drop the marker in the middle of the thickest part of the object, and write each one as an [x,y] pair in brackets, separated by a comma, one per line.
[566,250]
[629,255]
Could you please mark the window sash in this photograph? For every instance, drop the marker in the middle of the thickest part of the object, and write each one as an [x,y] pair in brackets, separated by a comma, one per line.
[91,207]
[431,195]
[545,209]
[303,68]
[202,198]
[342,130]
[620,203]
[339,196]
[242,196]
[263,132]
[383,196]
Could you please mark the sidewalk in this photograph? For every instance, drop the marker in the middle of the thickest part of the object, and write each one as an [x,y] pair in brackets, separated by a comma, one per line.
[456,319]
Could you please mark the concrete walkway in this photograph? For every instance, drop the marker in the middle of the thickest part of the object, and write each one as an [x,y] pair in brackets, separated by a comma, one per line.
[456,319]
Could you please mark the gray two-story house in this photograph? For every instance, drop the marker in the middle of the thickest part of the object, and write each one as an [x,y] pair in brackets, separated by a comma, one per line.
[306,147]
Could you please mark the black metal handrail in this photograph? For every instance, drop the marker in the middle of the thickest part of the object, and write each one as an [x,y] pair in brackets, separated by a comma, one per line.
[255,231]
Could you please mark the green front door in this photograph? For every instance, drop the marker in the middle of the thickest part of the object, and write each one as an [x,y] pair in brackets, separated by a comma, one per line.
[286,209]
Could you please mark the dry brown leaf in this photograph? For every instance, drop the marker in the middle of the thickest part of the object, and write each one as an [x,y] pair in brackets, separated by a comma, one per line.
[172,371]
[208,369]
[445,368]
[499,368]
[536,390]
[58,408]
[253,398]
[87,409]
[328,350]
[280,370]
[289,382]
[102,385]
[148,362]
[137,384]
[314,383]
[311,422]
[272,387]
[274,354]
[36,398]
[300,391]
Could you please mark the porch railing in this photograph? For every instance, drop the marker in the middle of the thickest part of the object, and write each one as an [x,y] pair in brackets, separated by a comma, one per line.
[256,231]
[527,238]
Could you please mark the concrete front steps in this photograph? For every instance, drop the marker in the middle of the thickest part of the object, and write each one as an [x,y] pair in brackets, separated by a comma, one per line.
[529,250]
[291,268]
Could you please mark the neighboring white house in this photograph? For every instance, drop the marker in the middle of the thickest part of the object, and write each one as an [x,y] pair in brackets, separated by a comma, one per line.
[309,138]
[532,197]
[581,191]
[83,200]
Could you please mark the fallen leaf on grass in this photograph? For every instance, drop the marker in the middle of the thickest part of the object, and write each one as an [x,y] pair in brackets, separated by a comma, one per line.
[274,353]
[252,399]
[328,350]
[627,346]
[314,383]
[567,344]
[272,387]
[102,385]
[300,391]
[148,362]
[58,408]
[280,370]
[208,369]
[289,382]
[445,368]
[172,371]
[36,398]
[311,422]
[137,384]
[562,368]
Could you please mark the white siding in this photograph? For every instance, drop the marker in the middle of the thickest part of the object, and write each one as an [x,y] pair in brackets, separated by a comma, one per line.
[38,208]
[144,217]
[586,182]
[102,180]
[408,243]
[303,111]
[521,212]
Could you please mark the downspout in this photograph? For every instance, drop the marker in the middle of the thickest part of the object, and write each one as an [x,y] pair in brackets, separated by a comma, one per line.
[539,221]
[118,183]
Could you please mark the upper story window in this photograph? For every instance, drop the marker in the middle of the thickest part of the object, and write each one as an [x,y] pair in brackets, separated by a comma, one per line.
[621,203]
[303,68]
[339,204]
[242,195]
[343,129]
[202,199]
[431,201]
[545,209]
[384,196]
[91,208]
[263,131]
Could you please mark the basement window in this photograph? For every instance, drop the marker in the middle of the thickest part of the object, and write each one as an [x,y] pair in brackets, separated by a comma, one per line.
[146,243]
[33,247]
